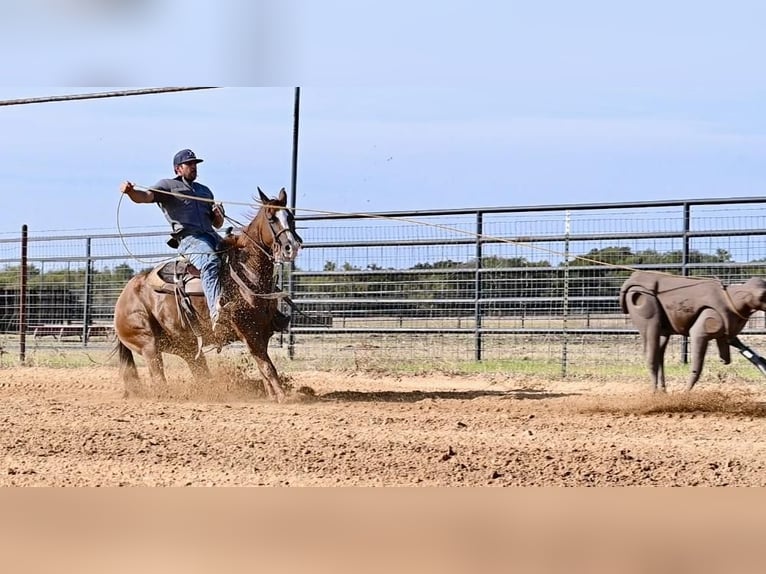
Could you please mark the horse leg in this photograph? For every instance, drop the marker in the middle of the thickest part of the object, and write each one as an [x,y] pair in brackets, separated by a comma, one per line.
[128,370]
[153,357]
[258,347]
[197,365]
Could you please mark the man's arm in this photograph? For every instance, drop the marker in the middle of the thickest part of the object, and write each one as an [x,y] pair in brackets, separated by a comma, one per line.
[137,195]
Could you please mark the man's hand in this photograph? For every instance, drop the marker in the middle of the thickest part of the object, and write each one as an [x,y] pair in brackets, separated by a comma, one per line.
[217,213]
[126,187]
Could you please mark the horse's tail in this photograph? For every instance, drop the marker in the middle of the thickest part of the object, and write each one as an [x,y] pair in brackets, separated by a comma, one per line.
[128,370]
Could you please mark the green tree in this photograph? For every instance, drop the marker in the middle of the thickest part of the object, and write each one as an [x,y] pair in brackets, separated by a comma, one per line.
[123,272]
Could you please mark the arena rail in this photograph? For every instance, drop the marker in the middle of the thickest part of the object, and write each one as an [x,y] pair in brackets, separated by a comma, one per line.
[463,284]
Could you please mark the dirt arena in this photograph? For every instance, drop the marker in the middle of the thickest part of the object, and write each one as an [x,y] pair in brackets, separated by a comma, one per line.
[75,427]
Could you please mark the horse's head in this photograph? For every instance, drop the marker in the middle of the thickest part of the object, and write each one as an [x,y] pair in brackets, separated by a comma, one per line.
[274,225]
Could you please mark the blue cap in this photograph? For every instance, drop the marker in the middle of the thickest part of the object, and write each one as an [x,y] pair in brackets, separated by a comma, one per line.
[184,156]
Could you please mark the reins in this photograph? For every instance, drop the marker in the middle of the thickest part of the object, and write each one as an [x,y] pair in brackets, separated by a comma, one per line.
[250,292]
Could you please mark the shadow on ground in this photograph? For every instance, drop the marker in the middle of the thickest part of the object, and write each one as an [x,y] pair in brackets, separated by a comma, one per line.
[415,396]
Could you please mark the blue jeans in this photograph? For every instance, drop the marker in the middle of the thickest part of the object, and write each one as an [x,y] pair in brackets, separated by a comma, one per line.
[202,251]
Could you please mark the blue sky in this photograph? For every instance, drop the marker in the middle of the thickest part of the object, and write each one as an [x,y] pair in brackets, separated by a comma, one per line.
[417,105]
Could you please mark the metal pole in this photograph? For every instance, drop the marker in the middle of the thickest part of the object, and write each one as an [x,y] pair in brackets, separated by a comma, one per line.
[88,293]
[23,297]
[565,305]
[685,273]
[477,287]
[293,195]
[296,121]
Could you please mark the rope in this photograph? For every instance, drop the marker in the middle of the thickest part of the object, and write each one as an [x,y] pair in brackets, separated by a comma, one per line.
[733,306]
[186,196]
[485,236]
[426,224]
[435,226]
[204,200]
[125,245]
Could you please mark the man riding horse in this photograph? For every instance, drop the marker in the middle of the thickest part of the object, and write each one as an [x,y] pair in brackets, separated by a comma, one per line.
[194,216]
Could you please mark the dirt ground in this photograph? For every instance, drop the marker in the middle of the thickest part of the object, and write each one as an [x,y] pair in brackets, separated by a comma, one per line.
[76,427]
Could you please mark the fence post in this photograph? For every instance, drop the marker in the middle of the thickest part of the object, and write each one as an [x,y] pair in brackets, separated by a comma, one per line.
[23,297]
[477,288]
[685,273]
[565,302]
[87,293]
[293,192]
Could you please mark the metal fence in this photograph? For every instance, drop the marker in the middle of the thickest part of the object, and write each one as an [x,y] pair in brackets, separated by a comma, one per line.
[528,287]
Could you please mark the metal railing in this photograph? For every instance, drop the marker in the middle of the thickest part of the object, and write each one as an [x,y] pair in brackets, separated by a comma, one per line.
[470,276]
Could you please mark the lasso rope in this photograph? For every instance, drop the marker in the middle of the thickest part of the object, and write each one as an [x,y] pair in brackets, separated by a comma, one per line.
[125,245]
[195,198]
[416,222]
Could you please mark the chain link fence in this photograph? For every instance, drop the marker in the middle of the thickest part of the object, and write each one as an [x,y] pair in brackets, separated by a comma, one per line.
[526,289]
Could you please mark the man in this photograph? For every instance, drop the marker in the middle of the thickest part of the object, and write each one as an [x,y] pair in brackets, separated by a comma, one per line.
[193,222]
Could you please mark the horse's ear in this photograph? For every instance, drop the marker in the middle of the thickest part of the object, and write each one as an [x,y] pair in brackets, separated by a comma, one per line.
[264,197]
[282,196]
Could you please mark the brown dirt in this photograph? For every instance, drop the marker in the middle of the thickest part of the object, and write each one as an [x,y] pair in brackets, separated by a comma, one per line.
[75,427]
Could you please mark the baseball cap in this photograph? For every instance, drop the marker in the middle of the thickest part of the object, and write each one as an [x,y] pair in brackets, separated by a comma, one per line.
[184,156]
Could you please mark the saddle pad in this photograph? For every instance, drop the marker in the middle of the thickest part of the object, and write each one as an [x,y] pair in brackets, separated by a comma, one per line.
[162,277]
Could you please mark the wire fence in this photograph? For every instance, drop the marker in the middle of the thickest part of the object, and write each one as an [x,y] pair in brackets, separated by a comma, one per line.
[527,288]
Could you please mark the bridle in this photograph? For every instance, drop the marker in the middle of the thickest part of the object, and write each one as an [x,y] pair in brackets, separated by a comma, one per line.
[276,235]
[244,278]
[276,230]
[277,227]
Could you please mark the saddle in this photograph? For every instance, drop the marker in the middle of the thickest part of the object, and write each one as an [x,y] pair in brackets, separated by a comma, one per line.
[176,276]
[181,279]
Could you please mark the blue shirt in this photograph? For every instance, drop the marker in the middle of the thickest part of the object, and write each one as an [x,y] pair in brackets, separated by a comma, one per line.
[185,214]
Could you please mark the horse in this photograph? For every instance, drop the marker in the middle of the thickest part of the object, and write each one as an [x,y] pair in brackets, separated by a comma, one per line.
[150,321]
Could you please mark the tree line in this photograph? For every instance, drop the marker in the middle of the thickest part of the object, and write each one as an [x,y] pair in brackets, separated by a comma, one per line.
[513,284]
[591,282]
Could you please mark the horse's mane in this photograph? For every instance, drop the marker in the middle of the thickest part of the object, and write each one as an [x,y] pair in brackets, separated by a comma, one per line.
[230,238]
[251,213]
[254,208]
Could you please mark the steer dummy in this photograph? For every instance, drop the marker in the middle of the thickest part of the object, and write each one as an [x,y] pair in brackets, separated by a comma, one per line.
[660,305]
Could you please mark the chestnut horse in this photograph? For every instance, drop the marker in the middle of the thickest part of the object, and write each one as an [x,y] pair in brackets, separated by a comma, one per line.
[149,322]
